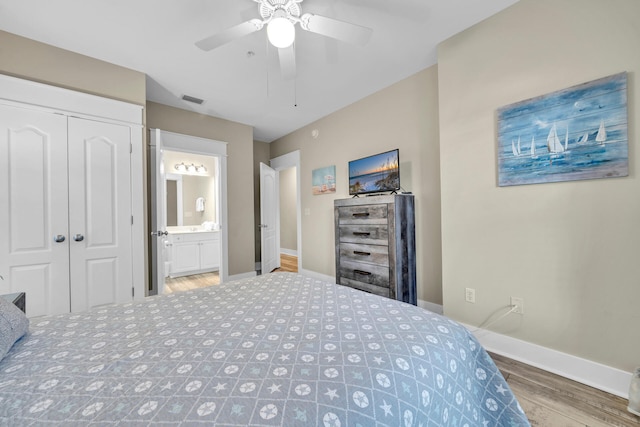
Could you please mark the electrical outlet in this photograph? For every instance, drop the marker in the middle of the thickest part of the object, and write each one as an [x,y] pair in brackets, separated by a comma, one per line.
[470,295]
[519,304]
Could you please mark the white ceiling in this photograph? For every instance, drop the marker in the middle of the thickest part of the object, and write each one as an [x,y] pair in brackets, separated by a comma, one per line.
[157,37]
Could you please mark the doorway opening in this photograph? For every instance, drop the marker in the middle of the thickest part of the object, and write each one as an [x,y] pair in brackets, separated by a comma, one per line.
[286,167]
[188,212]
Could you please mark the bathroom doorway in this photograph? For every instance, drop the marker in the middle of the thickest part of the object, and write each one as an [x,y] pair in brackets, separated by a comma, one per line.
[188,207]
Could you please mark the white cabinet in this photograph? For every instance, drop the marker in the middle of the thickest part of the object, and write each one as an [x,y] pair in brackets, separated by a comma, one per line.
[66,202]
[193,253]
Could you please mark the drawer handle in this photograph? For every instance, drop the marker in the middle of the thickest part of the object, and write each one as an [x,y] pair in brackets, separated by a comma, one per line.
[361,214]
[361,233]
[362,273]
[362,253]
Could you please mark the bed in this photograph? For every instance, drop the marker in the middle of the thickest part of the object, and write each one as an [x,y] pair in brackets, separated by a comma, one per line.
[279,349]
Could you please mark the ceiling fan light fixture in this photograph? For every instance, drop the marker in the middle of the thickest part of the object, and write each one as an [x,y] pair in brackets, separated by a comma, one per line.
[281,32]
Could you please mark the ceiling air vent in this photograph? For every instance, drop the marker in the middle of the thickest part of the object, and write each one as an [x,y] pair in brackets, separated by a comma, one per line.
[192,99]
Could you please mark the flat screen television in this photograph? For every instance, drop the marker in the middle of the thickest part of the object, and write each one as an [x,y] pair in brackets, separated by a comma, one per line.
[375,174]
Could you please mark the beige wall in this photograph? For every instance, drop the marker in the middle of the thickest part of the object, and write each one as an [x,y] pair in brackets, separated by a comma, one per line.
[288,211]
[239,173]
[403,116]
[569,249]
[32,60]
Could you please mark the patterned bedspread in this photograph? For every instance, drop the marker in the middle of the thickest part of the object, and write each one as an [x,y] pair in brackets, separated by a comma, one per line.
[276,350]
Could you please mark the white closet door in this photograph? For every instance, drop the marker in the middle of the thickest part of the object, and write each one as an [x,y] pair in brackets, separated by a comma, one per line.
[33,209]
[99,213]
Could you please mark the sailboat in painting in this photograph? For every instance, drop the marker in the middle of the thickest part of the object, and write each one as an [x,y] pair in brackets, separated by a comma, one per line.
[553,142]
[516,149]
[583,140]
[601,137]
[533,148]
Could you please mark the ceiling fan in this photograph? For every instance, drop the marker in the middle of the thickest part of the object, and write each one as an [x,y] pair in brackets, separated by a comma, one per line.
[280,17]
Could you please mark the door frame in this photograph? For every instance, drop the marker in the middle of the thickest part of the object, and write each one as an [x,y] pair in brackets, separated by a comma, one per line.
[287,161]
[192,144]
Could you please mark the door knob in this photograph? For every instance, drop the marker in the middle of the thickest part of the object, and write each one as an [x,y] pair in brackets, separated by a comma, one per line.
[58,238]
[78,237]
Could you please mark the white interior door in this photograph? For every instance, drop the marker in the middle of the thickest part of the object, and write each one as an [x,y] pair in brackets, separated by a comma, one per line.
[158,212]
[99,213]
[33,209]
[269,239]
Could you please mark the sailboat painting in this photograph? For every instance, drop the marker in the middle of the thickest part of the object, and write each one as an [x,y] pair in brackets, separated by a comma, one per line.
[575,133]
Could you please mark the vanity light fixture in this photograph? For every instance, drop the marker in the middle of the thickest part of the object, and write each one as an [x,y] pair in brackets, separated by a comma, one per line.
[192,168]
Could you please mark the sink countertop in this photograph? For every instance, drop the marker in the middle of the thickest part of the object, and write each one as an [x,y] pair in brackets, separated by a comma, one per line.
[184,229]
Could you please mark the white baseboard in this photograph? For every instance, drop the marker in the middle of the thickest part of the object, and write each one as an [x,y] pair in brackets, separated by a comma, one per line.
[319,276]
[434,308]
[242,276]
[290,252]
[593,374]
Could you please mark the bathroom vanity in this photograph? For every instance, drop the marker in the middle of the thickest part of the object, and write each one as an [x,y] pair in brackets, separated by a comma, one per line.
[193,250]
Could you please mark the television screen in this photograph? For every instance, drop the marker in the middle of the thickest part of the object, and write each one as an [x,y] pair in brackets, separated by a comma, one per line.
[375,174]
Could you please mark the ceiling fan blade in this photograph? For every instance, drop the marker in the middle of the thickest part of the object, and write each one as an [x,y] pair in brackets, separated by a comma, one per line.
[345,31]
[287,62]
[230,34]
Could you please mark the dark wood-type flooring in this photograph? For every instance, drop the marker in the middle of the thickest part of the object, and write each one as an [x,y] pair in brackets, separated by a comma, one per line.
[554,401]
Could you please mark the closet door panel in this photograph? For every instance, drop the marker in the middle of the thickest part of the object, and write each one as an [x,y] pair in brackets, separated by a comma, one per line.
[33,209]
[99,213]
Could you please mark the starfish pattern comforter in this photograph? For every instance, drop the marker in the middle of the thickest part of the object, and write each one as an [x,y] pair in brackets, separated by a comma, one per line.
[275,350]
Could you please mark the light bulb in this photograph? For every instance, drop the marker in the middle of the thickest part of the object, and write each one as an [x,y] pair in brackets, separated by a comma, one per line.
[281,32]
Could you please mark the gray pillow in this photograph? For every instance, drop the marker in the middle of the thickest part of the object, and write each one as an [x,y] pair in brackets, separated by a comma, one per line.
[13,325]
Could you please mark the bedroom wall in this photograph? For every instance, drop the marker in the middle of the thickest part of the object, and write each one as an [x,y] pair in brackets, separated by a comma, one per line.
[569,249]
[239,173]
[32,60]
[288,213]
[404,116]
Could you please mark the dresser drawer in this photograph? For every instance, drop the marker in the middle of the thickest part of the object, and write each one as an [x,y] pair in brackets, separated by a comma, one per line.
[372,254]
[365,214]
[366,273]
[372,289]
[367,234]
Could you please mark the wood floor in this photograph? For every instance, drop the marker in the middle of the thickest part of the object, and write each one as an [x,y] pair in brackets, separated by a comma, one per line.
[287,263]
[548,399]
[551,400]
[195,281]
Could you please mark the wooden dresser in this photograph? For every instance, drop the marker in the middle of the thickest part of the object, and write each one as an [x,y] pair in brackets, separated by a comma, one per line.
[375,245]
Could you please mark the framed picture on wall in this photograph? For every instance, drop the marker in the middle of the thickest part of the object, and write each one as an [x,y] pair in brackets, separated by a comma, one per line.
[572,134]
[323,180]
